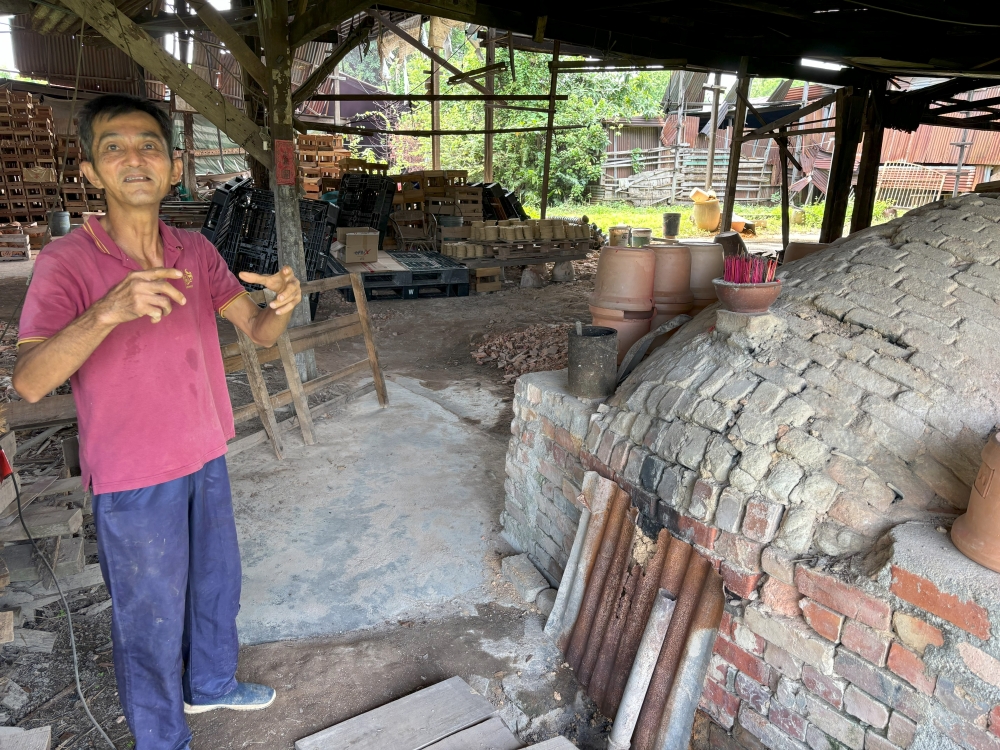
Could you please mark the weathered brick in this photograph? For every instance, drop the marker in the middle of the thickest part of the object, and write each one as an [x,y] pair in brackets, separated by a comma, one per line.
[824,621]
[747,640]
[704,498]
[739,550]
[995,720]
[871,644]
[879,684]
[875,741]
[781,480]
[696,532]
[719,704]
[838,726]
[761,520]
[796,532]
[758,696]
[923,593]
[779,564]
[752,666]
[843,598]
[866,379]
[863,706]
[729,513]
[783,661]
[804,448]
[794,636]
[965,734]
[981,664]
[766,732]
[958,700]
[901,730]
[788,722]
[911,668]
[829,689]
[780,597]
[739,580]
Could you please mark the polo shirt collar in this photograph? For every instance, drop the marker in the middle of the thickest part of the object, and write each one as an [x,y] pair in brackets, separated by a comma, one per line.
[172,244]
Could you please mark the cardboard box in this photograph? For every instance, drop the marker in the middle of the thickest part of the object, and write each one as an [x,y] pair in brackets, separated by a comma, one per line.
[342,232]
[361,246]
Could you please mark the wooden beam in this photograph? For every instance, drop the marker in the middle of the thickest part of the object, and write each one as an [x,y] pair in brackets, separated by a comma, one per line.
[261,399]
[491,52]
[788,119]
[850,112]
[312,124]
[782,146]
[321,18]
[739,120]
[492,68]
[299,397]
[119,29]
[547,164]
[432,97]
[358,34]
[787,134]
[965,106]
[871,154]
[361,300]
[233,41]
[785,223]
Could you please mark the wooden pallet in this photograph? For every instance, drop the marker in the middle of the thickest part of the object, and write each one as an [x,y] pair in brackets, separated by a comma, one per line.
[513,250]
[447,716]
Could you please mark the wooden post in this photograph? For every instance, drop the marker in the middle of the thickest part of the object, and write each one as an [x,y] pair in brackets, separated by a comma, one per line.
[259,390]
[435,115]
[491,51]
[871,155]
[299,397]
[272,16]
[546,167]
[850,111]
[739,120]
[358,286]
[190,178]
[713,133]
[253,100]
[784,193]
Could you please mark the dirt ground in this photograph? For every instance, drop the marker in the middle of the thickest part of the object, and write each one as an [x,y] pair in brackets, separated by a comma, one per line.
[321,682]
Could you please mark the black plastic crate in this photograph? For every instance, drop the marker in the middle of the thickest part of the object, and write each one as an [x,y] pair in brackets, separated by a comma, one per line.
[220,211]
[422,275]
[365,200]
[250,243]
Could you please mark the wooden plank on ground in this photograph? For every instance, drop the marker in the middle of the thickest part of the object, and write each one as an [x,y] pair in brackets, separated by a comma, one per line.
[50,411]
[16,738]
[44,522]
[6,626]
[490,735]
[411,723]
[34,641]
[25,567]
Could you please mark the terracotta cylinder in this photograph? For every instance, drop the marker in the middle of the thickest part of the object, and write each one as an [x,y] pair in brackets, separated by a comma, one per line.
[612,638]
[624,279]
[707,264]
[977,533]
[796,250]
[631,326]
[672,275]
[707,215]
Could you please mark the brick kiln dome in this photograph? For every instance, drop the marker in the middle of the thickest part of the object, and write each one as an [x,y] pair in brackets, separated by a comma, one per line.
[863,401]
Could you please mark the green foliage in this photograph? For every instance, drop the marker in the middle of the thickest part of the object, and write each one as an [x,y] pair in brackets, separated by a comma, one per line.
[636,160]
[518,159]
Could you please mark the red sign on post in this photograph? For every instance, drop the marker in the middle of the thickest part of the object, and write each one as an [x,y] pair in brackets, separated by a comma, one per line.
[284,162]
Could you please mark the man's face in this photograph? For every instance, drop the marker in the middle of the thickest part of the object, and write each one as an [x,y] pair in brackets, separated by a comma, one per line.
[131,160]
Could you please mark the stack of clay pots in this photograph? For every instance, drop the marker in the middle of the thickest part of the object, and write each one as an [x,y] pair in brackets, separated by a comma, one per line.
[623,293]
[671,282]
[706,264]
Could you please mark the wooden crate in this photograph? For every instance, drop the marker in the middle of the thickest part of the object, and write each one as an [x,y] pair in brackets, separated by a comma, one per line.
[485,280]
[468,201]
[15,247]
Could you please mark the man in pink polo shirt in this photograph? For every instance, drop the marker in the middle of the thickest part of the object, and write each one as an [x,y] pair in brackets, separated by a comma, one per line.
[124,307]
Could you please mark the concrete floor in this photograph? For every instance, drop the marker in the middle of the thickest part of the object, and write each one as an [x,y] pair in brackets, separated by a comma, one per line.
[393,512]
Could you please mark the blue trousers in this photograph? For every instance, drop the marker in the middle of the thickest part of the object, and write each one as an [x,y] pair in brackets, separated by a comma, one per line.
[171,562]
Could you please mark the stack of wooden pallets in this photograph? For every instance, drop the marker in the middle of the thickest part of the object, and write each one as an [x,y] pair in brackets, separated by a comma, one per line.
[79,196]
[15,243]
[319,158]
[28,177]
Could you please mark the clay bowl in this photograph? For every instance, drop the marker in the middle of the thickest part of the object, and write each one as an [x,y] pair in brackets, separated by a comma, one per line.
[749,299]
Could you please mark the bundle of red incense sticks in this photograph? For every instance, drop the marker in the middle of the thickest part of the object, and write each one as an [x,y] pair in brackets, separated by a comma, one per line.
[749,269]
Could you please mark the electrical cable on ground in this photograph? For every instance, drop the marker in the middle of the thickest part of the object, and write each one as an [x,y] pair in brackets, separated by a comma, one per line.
[5,471]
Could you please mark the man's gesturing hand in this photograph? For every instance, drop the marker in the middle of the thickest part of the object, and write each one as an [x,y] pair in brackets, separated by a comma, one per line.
[142,293]
[283,283]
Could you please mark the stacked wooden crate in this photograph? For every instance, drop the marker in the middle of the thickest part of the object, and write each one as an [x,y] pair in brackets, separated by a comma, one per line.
[79,196]
[319,157]
[28,162]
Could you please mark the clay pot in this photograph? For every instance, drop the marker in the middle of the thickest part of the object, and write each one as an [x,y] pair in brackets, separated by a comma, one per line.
[796,250]
[624,279]
[749,299]
[672,277]
[707,215]
[618,235]
[977,533]
[706,264]
[631,325]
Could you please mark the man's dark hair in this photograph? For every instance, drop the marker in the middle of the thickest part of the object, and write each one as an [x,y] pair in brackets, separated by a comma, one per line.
[113,105]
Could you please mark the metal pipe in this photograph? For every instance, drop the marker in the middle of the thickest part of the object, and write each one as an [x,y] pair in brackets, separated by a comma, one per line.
[642,671]
[599,573]
[678,715]
[598,493]
[554,623]
[666,665]
[612,638]
[611,592]
[642,606]
[675,567]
